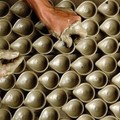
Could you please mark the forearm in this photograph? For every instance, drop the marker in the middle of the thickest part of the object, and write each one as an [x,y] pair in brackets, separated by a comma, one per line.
[57,20]
[37,3]
[43,9]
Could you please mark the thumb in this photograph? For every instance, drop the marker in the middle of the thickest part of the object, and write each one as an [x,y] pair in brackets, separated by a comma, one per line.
[74,29]
[77,29]
[65,37]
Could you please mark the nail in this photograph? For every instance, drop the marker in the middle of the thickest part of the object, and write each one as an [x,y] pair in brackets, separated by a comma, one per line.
[78,28]
[85,92]
[51,2]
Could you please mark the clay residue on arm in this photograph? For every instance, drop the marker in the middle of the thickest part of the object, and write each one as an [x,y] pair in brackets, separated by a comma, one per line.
[55,19]
[14,60]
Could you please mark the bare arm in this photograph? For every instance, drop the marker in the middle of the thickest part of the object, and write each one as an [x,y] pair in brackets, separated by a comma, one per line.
[55,19]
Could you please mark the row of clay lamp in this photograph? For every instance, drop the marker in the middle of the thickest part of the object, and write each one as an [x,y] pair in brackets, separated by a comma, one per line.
[59,99]
[51,79]
[52,113]
[110,27]
[97,80]
[45,45]
[25,27]
[82,65]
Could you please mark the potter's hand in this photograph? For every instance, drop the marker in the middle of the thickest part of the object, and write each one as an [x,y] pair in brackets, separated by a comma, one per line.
[65,24]
[62,23]
[9,61]
[74,29]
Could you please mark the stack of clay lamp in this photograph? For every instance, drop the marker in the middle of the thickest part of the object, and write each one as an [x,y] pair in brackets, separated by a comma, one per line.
[59,83]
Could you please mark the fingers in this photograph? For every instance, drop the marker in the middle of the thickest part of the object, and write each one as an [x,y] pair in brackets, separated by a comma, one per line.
[65,37]
[9,68]
[74,29]
[77,29]
[8,54]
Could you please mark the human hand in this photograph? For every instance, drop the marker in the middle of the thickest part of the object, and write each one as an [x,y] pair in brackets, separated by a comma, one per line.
[61,23]
[67,23]
[9,61]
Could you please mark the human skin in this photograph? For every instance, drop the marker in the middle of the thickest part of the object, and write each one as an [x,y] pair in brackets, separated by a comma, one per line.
[14,58]
[55,19]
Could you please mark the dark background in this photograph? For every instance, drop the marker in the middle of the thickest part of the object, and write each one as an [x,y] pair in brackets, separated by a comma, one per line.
[76,2]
